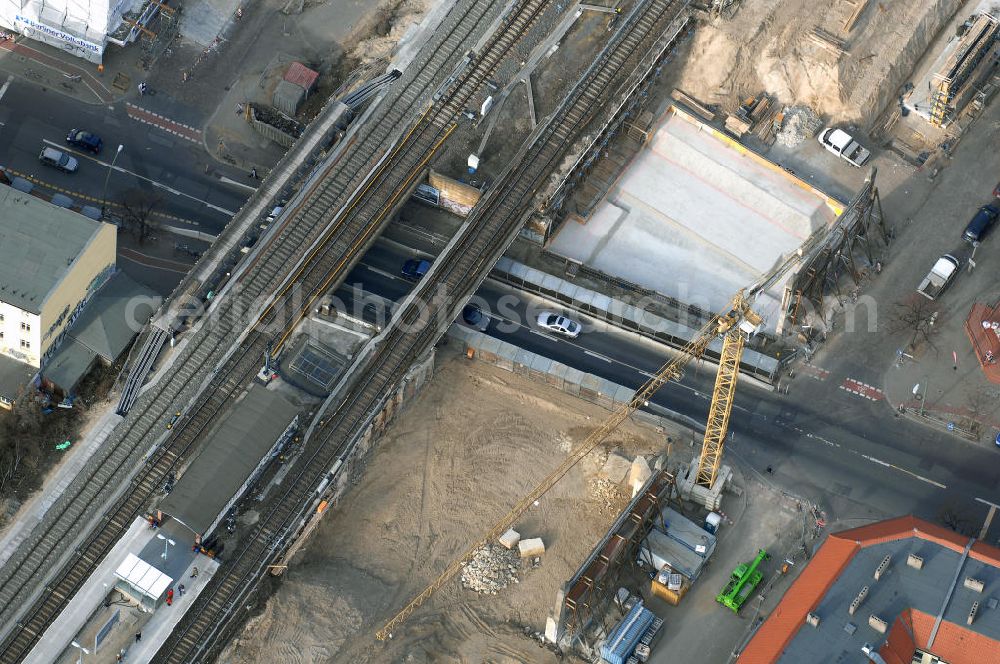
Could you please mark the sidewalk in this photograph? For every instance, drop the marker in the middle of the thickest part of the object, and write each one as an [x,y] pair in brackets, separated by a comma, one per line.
[77,76]
[946,391]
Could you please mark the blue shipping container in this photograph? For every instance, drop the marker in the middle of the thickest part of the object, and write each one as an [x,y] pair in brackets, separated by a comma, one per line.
[623,638]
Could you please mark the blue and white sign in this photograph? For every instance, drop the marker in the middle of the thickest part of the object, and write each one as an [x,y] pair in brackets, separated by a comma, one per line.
[26,23]
[104,631]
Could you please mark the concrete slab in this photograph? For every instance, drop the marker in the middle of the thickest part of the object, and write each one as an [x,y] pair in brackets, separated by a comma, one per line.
[697,217]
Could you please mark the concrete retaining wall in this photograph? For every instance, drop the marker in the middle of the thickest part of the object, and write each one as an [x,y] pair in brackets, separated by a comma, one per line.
[572,381]
[627,316]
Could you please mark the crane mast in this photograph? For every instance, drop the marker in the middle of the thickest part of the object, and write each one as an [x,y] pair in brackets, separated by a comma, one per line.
[735,327]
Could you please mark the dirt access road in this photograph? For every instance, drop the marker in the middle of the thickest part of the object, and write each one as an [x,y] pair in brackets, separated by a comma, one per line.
[476,440]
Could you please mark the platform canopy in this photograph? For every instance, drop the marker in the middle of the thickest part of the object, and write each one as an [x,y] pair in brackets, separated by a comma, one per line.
[142,576]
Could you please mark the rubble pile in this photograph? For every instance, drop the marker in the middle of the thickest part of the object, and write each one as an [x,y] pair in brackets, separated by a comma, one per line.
[492,568]
[608,494]
[800,124]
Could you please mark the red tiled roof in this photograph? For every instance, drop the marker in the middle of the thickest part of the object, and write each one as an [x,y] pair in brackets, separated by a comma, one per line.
[899,647]
[823,571]
[805,593]
[301,76]
[954,643]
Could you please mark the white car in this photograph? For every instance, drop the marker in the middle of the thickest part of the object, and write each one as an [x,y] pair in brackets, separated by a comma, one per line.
[553,322]
[842,144]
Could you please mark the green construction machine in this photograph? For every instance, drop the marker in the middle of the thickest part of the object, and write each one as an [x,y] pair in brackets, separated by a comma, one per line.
[742,582]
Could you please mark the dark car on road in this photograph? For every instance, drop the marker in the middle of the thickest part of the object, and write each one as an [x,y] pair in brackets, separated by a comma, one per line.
[85,140]
[415,268]
[981,223]
[474,317]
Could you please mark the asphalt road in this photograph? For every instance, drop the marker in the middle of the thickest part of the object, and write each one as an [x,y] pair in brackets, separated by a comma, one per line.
[851,455]
[152,160]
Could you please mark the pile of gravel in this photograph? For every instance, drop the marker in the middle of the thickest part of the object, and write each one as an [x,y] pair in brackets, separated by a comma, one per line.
[800,123]
[491,569]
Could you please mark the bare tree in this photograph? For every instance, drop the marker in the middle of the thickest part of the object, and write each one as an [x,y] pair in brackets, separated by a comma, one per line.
[915,316]
[138,206]
[960,523]
[20,438]
[977,401]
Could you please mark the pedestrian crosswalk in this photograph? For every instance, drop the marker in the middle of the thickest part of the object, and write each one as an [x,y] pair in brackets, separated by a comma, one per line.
[863,390]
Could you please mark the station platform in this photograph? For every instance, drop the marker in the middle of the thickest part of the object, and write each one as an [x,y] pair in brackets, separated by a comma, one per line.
[101,617]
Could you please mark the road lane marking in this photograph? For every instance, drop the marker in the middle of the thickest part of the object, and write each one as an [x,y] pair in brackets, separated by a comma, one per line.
[986,502]
[151,181]
[235,183]
[863,390]
[542,334]
[3,90]
[178,129]
[903,470]
[814,372]
[388,275]
[989,520]
[91,199]
[597,355]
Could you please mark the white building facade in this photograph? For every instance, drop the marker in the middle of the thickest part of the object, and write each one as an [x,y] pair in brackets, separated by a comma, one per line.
[81,27]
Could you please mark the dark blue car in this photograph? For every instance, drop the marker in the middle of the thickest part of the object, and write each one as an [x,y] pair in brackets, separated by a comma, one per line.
[85,140]
[414,269]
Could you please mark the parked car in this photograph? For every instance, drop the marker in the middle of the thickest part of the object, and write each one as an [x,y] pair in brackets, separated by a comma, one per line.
[58,159]
[553,322]
[940,277]
[473,316]
[981,223]
[415,268]
[85,140]
[842,144]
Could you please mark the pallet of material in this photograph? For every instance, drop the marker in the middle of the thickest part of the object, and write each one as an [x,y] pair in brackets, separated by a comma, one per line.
[693,104]
[855,15]
[736,126]
[827,41]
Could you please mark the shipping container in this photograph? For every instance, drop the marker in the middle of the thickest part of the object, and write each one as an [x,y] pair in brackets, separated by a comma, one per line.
[624,637]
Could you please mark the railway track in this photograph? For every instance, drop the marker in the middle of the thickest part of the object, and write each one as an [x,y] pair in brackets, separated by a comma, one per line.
[311,224]
[492,226]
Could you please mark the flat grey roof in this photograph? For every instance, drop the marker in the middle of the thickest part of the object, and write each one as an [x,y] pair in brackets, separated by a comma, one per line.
[901,587]
[68,364]
[38,243]
[114,316]
[13,376]
[236,446]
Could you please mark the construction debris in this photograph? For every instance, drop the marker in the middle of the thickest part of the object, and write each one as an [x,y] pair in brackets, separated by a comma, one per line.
[615,468]
[800,124]
[609,495]
[491,569]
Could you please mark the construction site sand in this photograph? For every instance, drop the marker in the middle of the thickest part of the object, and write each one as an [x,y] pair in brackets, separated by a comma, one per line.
[465,450]
[766,47]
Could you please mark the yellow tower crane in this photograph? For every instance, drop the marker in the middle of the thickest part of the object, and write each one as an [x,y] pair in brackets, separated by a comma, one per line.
[734,326]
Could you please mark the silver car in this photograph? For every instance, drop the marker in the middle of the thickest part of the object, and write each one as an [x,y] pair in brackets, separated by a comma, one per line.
[58,159]
[553,322]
